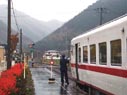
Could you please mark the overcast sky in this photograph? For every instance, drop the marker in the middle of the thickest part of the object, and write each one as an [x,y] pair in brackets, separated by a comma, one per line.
[46,10]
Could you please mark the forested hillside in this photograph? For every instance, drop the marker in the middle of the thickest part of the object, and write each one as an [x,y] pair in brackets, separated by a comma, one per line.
[98,13]
[32,28]
[3,35]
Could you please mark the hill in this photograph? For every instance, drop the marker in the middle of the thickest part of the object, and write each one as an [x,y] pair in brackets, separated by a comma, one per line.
[84,21]
[32,28]
[3,35]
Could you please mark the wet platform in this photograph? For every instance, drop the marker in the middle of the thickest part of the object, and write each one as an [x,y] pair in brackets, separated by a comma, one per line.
[43,87]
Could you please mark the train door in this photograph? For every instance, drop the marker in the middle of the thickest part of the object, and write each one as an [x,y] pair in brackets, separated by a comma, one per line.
[76,61]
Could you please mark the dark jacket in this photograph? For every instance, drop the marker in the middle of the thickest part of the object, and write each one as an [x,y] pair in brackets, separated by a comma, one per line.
[63,63]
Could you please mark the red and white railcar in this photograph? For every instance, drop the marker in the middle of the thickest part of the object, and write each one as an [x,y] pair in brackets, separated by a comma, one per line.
[99,59]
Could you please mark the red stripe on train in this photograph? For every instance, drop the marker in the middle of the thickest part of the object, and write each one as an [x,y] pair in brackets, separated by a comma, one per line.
[105,70]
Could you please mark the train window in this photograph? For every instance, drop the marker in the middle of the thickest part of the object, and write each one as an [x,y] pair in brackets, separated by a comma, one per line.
[92,54]
[116,52]
[102,53]
[79,55]
[85,54]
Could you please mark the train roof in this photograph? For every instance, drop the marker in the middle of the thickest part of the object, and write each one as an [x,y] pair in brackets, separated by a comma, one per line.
[102,27]
[52,51]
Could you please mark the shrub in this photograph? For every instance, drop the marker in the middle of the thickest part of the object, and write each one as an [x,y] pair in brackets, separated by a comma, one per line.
[8,80]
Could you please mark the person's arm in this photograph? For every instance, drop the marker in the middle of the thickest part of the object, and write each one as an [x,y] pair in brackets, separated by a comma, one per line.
[67,61]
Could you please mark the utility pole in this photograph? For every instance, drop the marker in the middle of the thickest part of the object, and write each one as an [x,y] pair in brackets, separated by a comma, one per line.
[31,46]
[101,10]
[21,43]
[9,36]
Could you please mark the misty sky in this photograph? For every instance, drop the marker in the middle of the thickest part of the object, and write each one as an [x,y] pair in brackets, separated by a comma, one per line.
[46,10]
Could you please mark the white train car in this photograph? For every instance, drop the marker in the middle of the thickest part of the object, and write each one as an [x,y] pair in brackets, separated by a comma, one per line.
[99,59]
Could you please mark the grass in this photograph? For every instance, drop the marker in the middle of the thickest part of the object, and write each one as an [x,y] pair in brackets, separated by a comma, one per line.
[29,87]
[26,86]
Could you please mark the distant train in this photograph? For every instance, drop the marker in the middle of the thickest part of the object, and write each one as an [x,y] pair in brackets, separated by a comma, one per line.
[51,55]
[99,59]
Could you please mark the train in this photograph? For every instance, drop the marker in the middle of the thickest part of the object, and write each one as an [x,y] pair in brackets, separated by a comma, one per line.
[53,55]
[98,58]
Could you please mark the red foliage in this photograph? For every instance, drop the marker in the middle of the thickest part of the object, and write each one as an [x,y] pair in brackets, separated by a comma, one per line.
[8,79]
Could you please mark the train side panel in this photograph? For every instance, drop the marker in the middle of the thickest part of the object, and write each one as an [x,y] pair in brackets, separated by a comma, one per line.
[108,77]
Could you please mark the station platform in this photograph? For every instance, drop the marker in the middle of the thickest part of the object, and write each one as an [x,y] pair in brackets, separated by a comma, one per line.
[42,86]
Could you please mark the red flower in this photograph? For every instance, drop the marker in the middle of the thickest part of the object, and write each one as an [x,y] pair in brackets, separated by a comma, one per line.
[8,79]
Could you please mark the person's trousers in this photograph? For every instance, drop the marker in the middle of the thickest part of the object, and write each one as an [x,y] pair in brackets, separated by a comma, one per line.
[64,75]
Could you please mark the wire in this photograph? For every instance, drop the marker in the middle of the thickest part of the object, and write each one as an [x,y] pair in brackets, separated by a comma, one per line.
[16,22]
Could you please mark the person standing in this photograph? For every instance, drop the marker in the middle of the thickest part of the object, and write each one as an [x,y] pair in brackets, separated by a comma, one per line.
[63,69]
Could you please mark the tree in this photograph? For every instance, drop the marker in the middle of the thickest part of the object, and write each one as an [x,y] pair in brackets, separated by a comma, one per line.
[14,41]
